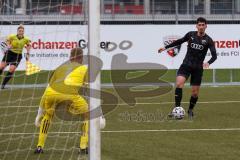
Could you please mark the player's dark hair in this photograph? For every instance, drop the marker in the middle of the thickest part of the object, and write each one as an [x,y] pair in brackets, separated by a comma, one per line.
[201,20]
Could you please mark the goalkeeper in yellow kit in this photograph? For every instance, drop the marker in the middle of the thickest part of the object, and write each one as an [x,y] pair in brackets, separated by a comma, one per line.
[64,85]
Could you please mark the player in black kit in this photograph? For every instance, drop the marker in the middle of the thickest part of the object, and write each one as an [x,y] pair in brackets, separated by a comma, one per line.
[198,44]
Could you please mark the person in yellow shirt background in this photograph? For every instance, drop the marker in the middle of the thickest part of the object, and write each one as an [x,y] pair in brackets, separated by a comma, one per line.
[15,44]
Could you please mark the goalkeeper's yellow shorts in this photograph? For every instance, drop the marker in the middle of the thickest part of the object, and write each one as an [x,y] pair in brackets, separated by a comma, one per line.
[49,102]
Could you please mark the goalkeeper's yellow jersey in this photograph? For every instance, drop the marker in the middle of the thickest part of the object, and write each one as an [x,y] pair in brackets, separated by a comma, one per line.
[67,79]
[17,44]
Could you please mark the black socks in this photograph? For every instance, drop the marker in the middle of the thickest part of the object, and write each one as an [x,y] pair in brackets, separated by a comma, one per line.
[178,96]
[178,99]
[6,79]
[193,101]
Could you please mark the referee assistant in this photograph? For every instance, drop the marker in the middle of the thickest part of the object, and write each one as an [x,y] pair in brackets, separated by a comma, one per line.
[13,56]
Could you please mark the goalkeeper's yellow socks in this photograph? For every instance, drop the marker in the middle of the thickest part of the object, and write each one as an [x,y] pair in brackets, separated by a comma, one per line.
[44,130]
[84,136]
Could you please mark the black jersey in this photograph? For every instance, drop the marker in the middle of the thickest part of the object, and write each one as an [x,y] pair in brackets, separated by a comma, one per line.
[197,49]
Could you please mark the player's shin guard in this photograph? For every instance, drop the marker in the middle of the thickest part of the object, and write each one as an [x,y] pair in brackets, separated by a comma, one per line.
[178,96]
[6,79]
[192,103]
[44,130]
[84,136]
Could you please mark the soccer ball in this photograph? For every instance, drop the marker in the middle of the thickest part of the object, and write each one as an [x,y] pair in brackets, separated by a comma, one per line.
[178,113]
[102,122]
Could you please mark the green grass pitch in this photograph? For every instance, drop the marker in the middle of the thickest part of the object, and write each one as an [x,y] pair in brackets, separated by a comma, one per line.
[214,134]
[222,75]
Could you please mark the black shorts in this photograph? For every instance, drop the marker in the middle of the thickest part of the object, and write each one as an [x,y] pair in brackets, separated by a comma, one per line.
[12,58]
[196,74]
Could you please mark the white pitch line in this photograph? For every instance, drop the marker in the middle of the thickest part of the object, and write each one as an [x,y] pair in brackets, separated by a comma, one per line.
[122,104]
[174,130]
[136,131]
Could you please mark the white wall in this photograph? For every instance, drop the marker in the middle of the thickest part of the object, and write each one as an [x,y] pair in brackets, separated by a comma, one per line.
[145,39]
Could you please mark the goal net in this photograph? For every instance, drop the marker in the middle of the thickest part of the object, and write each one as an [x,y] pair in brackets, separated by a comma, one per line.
[54,28]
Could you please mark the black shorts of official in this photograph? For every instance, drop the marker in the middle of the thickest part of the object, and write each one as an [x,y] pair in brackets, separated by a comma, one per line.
[195,73]
[12,58]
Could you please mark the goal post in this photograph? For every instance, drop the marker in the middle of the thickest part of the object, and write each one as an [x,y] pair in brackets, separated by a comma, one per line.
[94,51]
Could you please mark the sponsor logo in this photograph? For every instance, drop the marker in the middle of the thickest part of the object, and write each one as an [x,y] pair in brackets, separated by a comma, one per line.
[174,50]
[39,44]
[227,43]
[197,46]
[204,42]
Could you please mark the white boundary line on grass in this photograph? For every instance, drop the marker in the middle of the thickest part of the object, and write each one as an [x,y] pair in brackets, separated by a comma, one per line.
[136,131]
[121,104]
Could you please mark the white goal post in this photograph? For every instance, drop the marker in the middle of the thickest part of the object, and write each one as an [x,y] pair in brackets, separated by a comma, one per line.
[94,39]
